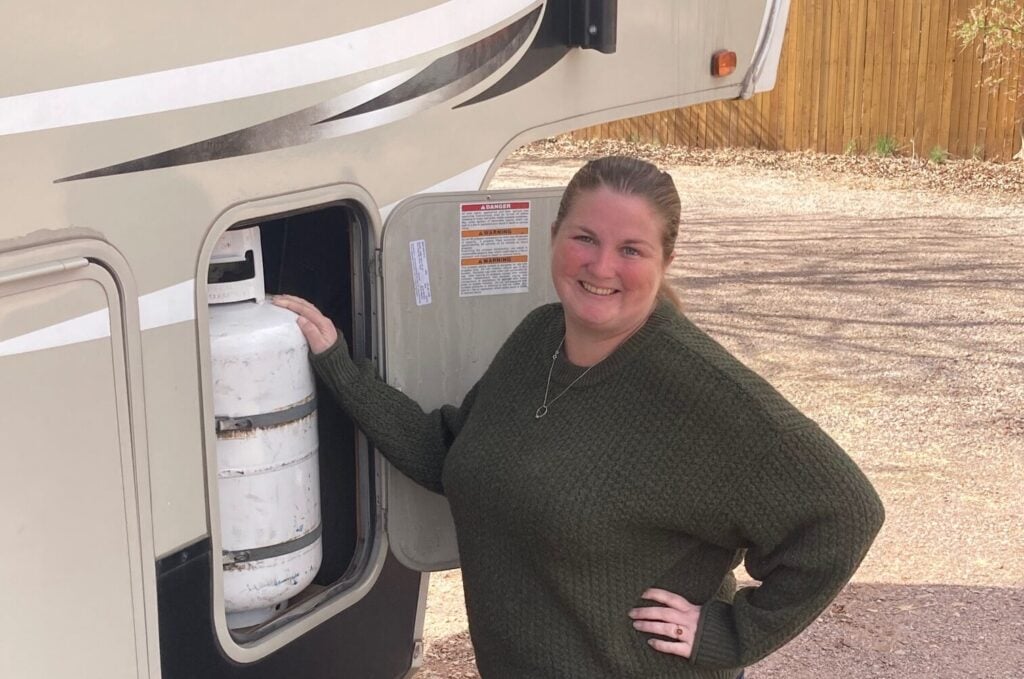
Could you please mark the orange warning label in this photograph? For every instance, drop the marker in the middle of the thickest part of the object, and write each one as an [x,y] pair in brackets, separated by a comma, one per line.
[477,261]
[514,231]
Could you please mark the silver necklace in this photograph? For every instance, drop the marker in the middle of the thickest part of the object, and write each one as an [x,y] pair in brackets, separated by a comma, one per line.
[543,409]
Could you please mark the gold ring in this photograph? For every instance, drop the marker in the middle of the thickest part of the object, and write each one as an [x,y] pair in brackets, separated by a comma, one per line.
[679,632]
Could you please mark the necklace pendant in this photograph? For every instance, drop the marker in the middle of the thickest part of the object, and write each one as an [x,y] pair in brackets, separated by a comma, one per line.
[541,412]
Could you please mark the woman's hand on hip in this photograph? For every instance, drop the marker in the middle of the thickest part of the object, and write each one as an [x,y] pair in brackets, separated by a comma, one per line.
[676,620]
[318,330]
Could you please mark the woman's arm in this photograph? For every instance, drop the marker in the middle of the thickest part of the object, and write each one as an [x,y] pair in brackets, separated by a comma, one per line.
[806,515]
[414,441]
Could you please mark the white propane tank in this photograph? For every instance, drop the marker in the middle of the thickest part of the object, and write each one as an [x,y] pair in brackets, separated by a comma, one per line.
[265,405]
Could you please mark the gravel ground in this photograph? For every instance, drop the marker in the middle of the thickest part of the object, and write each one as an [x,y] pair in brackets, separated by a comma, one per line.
[883,297]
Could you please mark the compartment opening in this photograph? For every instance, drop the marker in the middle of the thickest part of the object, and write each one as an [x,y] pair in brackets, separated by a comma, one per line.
[322,255]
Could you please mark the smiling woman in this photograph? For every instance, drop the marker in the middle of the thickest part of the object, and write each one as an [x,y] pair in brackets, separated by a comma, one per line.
[614,465]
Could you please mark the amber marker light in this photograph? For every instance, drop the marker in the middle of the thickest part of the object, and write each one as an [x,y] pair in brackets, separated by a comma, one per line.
[723,63]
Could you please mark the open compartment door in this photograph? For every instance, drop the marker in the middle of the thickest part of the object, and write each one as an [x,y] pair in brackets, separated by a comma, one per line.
[460,270]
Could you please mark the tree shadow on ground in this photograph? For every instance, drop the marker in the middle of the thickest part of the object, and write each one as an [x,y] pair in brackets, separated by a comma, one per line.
[871,631]
[875,631]
[855,290]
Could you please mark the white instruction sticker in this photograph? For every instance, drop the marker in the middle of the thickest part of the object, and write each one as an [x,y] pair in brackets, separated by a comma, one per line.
[494,248]
[420,273]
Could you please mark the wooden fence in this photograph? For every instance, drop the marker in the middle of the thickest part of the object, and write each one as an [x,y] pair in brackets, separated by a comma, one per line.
[854,73]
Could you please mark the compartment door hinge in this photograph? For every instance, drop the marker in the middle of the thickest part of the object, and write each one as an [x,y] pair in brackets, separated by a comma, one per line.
[377,265]
[44,269]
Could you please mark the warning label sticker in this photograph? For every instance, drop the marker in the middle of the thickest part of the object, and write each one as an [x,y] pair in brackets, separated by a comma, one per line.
[420,271]
[494,250]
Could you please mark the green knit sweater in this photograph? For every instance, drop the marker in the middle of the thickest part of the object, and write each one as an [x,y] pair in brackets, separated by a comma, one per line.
[658,468]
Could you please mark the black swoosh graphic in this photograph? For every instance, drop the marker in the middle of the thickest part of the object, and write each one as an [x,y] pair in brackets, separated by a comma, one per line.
[452,67]
[443,79]
[552,42]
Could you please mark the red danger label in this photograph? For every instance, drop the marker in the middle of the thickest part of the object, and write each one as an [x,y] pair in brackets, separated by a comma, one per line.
[479,207]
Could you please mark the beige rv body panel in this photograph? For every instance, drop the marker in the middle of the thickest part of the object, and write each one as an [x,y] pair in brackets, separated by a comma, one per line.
[75,463]
[108,40]
[131,137]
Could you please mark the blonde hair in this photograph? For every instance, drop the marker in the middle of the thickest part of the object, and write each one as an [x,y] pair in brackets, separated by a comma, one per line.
[631,177]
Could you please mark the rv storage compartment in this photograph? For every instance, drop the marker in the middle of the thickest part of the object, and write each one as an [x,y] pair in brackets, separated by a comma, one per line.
[295,481]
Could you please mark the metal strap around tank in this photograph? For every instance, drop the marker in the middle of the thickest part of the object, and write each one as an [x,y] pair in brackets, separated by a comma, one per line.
[265,420]
[269,552]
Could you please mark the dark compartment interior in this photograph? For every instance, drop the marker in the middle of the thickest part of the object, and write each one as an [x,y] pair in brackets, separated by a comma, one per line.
[311,255]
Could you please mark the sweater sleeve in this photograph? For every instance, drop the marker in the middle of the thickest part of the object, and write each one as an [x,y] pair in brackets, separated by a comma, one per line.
[414,441]
[806,515]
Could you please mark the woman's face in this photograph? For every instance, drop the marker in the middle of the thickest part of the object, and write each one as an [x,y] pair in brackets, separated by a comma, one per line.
[607,262]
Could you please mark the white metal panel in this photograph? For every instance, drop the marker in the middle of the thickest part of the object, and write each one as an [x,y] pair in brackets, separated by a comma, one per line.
[71,575]
[435,352]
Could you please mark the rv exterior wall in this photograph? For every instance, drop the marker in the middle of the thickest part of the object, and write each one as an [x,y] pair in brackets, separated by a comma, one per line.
[160,216]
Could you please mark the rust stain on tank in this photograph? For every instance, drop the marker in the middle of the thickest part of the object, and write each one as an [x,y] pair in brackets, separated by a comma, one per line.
[251,432]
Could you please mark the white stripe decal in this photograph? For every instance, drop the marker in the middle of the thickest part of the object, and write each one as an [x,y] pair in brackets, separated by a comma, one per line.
[82,329]
[174,304]
[168,306]
[254,74]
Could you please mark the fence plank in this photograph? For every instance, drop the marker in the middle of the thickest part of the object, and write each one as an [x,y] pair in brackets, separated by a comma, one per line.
[883,55]
[792,78]
[901,28]
[981,136]
[1018,131]
[1005,104]
[910,16]
[945,84]
[975,105]
[1018,115]
[992,136]
[956,85]
[809,110]
[836,78]
[1009,118]
[924,85]
[849,61]
[918,17]
[819,140]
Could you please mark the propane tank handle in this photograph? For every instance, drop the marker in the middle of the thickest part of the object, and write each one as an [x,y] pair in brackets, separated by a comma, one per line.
[236,268]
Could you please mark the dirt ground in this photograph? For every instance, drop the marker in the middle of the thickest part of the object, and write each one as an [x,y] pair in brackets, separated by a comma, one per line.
[890,309]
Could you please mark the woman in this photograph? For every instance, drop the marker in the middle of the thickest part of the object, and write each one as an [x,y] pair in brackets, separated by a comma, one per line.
[614,464]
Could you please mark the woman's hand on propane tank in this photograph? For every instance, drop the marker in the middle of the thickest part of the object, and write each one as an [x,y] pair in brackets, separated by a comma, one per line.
[319,331]
[676,620]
